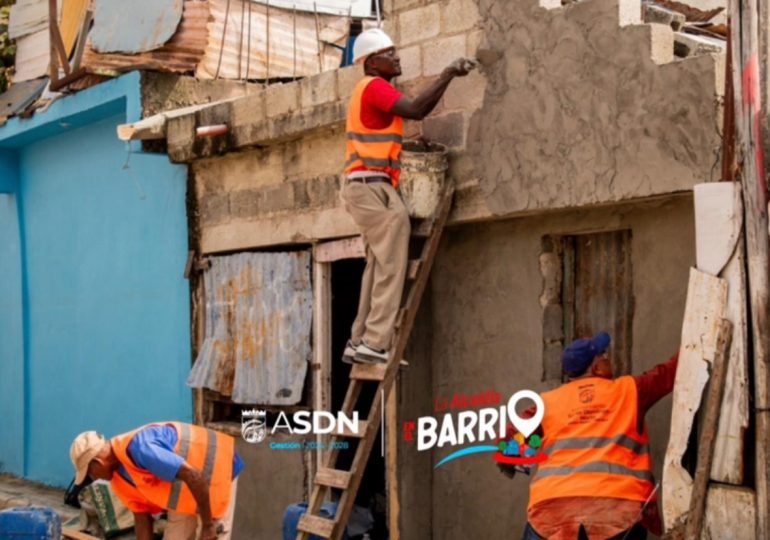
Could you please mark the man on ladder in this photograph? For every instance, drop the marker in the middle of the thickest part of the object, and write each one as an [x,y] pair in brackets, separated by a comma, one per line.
[375,128]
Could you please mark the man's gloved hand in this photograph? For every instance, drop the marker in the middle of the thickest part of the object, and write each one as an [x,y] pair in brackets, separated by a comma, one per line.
[460,67]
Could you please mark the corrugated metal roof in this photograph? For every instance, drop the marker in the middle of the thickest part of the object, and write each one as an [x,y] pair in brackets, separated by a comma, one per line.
[180,55]
[258,321]
[294,42]
[20,96]
[134,27]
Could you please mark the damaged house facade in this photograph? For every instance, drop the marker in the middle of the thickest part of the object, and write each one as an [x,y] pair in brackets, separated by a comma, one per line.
[573,151]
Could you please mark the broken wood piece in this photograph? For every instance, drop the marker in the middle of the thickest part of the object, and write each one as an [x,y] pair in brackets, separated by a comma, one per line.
[154,127]
[718,224]
[689,45]
[705,307]
[691,14]
[730,513]
[708,433]
[661,15]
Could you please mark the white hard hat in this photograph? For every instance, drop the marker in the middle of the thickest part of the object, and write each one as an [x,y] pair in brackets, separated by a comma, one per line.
[369,42]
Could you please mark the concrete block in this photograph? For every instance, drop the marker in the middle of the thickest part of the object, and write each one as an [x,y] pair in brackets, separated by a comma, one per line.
[661,43]
[347,78]
[248,110]
[661,15]
[459,16]
[438,54]
[552,361]
[319,89]
[277,198]
[419,24]
[215,208]
[246,203]
[448,129]
[281,99]
[466,93]
[551,270]
[322,192]
[553,323]
[411,63]
[691,45]
[629,12]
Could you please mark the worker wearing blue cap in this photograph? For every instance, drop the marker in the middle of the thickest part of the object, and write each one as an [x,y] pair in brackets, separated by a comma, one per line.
[596,481]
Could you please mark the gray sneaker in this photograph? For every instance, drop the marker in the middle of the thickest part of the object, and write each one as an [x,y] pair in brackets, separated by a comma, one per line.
[369,355]
[349,354]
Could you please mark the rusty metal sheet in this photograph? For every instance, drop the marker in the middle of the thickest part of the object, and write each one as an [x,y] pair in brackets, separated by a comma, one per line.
[180,55]
[258,321]
[345,8]
[603,291]
[134,27]
[20,96]
[294,42]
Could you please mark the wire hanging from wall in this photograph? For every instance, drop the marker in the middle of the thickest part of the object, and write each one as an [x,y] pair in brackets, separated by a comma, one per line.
[222,44]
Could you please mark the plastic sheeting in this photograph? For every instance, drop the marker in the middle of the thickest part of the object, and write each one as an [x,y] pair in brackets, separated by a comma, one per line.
[259,309]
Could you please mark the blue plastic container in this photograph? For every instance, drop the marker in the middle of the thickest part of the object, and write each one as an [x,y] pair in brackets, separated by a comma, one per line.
[295,511]
[31,523]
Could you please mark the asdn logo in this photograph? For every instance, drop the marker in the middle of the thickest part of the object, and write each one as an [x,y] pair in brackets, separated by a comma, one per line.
[254,428]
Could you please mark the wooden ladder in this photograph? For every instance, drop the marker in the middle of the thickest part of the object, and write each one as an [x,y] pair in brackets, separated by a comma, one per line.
[429,232]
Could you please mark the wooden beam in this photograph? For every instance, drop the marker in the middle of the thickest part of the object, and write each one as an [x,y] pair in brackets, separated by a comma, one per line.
[346,248]
[322,349]
[705,307]
[730,513]
[709,430]
[391,434]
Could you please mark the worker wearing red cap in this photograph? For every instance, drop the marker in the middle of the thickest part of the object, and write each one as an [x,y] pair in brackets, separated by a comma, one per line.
[374,132]
[597,479]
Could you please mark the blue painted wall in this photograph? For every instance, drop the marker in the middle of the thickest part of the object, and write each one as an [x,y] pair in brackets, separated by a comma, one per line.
[105,308]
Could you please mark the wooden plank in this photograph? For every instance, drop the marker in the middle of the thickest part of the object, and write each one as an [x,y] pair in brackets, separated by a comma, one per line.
[358,433]
[423,228]
[316,525]
[28,17]
[154,127]
[718,224]
[709,430]
[719,251]
[705,306]
[368,372]
[413,270]
[332,478]
[322,348]
[730,513]
[391,462]
[72,534]
[73,14]
[32,56]
[346,248]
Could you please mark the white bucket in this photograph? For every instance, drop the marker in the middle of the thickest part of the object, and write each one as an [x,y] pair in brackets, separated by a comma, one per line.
[423,175]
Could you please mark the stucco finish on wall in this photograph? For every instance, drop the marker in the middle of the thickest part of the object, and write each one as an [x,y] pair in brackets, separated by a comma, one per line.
[487,334]
[576,112]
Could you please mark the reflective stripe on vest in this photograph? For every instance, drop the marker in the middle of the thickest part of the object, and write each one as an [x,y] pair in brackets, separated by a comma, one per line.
[372,149]
[594,449]
[203,449]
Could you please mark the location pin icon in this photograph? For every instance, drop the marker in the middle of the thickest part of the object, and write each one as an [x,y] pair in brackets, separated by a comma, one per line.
[526,426]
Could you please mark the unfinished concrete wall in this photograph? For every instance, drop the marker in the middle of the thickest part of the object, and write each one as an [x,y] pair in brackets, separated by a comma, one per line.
[487,334]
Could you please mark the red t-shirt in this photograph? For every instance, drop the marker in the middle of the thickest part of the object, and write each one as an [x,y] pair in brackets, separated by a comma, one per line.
[377,100]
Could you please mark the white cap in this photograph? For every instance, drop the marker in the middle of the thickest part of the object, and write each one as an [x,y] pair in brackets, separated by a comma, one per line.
[369,42]
[84,448]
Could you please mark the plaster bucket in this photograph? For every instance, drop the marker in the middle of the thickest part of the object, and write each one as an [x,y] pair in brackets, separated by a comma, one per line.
[423,176]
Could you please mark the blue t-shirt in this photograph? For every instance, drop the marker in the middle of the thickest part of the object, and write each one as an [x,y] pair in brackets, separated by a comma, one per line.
[152,449]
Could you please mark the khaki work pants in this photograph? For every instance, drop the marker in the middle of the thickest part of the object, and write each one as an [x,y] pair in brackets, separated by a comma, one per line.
[383,220]
[186,527]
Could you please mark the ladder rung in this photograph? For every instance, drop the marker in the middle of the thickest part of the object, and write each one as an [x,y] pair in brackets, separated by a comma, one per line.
[368,372]
[413,269]
[316,525]
[423,229]
[332,478]
[359,434]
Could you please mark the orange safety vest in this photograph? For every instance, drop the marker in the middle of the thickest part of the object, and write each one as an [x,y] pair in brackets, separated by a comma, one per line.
[202,449]
[594,449]
[372,149]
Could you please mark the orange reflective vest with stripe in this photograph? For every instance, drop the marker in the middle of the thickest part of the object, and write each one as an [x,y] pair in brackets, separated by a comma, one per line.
[594,449]
[203,449]
[372,149]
